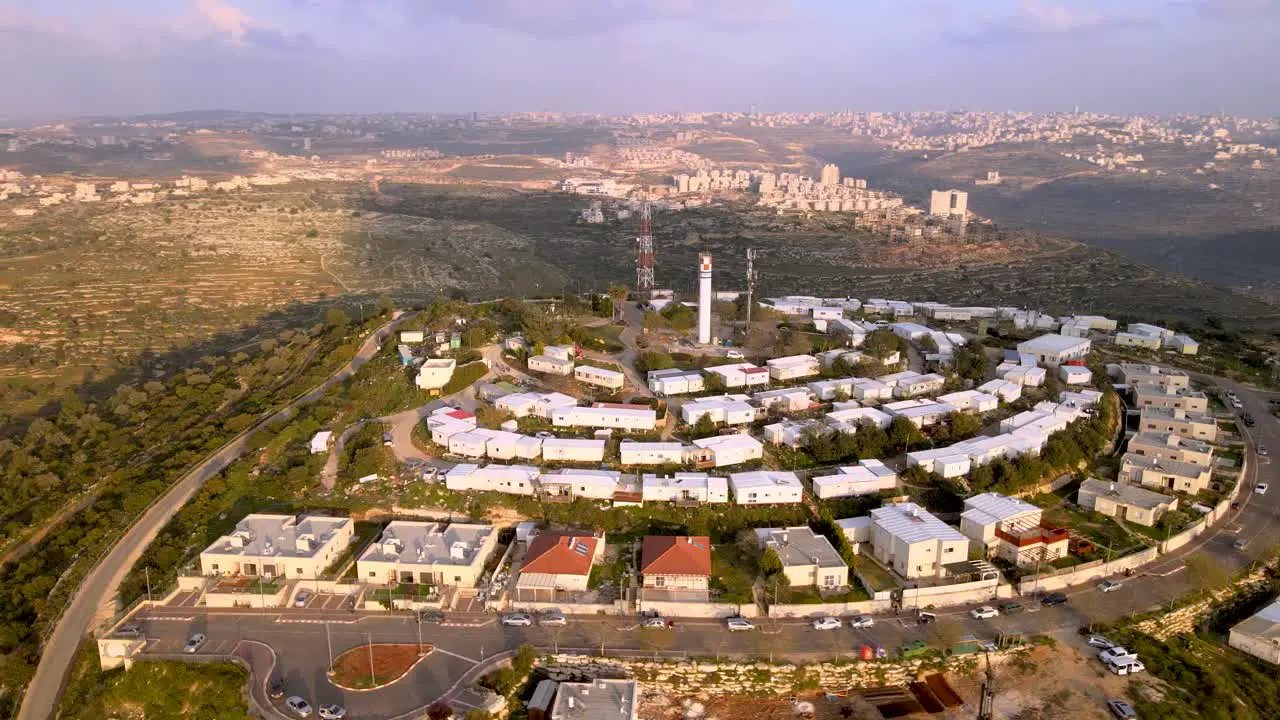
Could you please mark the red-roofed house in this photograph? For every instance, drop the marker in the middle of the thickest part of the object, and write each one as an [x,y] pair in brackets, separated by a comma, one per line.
[557,561]
[676,563]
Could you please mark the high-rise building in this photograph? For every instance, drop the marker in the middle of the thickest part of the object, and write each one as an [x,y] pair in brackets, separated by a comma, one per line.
[949,204]
[705,298]
[830,174]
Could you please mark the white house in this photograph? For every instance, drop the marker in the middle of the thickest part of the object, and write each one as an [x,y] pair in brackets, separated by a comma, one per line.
[971,400]
[785,400]
[726,450]
[434,373]
[600,377]
[685,488]
[1011,529]
[794,433]
[921,413]
[828,390]
[534,404]
[1005,390]
[740,375]
[591,484]
[675,382]
[651,453]
[913,543]
[1054,350]
[871,390]
[606,415]
[428,553]
[446,422]
[765,487]
[850,419]
[550,365]
[573,450]
[320,442]
[512,479]
[1025,376]
[726,409]
[1075,374]
[793,367]
[412,336]
[865,478]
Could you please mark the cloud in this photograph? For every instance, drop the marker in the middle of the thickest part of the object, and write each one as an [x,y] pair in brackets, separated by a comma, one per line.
[567,18]
[1031,19]
[224,18]
[1231,8]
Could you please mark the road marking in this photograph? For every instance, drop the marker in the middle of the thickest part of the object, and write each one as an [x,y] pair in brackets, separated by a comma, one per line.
[454,654]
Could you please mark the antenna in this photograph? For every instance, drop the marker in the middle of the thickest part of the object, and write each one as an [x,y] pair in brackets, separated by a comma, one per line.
[644,253]
[751,282]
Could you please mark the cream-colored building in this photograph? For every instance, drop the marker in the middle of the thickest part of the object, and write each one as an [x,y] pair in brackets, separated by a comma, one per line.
[949,203]
[913,543]
[808,559]
[1170,446]
[1128,503]
[435,373]
[428,553]
[1155,396]
[1259,635]
[1196,426]
[669,562]
[600,377]
[550,365]
[1171,475]
[278,546]
[1132,374]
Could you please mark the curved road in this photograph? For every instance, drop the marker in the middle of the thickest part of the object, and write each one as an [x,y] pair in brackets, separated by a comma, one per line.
[99,587]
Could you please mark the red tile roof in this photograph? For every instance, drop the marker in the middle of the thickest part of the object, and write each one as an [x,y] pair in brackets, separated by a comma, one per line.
[671,555]
[460,415]
[557,554]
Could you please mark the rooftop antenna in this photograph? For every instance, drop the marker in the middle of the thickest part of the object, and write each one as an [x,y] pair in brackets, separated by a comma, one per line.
[644,253]
[751,282]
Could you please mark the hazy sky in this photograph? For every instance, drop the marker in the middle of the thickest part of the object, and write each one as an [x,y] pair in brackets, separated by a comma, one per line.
[126,56]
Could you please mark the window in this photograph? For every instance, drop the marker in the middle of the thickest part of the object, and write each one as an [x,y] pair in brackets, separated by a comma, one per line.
[950,549]
[457,579]
[659,581]
[373,573]
[298,570]
[214,567]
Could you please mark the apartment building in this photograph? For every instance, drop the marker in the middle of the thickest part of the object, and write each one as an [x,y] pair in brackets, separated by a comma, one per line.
[1011,529]
[1155,396]
[1170,446]
[1192,425]
[278,546]
[1054,350]
[1133,374]
[428,553]
[1171,475]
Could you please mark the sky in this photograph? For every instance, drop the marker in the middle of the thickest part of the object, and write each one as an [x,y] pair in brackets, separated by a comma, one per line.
[76,57]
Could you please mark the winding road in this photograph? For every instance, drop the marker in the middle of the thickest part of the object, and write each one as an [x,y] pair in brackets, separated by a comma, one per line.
[98,589]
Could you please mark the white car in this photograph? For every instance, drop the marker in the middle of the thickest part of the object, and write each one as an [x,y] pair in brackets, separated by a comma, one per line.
[332,712]
[736,623]
[1261,488]
[553,618]
[1107,586]
[517,620]
[985,612]
[1111,654]
[862,621]
[827,623]
[1127,665]
[735,355]
[194,643]
[1099,641]
[298,706]
[655,623]
[1262,450]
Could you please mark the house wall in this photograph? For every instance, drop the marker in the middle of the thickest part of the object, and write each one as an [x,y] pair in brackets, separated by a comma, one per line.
[1260,648]
[677,582]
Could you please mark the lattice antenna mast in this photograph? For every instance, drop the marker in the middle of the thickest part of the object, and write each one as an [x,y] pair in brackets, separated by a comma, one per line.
[751,282]
[644,253]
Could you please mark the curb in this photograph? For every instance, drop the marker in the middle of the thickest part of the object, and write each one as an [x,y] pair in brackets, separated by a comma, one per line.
[398,678]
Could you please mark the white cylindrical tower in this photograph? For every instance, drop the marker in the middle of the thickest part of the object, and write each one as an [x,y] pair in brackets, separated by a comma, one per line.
[704,299]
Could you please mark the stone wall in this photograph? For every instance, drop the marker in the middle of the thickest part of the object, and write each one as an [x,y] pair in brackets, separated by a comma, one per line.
[1185,619]
[1087,572]
[760,678]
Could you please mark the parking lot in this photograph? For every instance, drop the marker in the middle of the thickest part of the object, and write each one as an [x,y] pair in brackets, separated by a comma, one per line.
[312,600]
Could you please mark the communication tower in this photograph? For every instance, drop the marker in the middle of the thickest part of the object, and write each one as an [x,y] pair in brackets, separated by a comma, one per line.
[644,254]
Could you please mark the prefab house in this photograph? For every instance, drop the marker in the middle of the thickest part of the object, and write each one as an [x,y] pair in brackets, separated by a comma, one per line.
[573,450]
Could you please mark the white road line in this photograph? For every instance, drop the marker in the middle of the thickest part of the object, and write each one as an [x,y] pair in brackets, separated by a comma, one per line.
[454,654]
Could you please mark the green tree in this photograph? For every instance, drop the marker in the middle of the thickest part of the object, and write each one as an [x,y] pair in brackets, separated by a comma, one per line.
[618,294]
[386,306]
[654,360]
[652,321]
[903,435]
[704,427]
[336,318]
[963,425]
[970,361]
[770,563]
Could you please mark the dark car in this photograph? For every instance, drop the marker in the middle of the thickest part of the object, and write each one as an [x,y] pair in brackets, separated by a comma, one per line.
[1121,709]
[1010,608]
[430,616]
[1053,598]
[276,688]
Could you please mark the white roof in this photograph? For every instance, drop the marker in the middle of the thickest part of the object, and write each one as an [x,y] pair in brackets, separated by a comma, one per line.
[764,478]
[638,446]
[672,374]
[1051,343]
[428,543]
[791,361]
[598,372]
[572,443]
[728,442]
[912,524]
[989,508]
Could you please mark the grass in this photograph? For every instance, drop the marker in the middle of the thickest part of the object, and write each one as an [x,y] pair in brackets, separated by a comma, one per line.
[614,572]
[155,691]
[733,573]
[810,595]
[464,377]
[871,571]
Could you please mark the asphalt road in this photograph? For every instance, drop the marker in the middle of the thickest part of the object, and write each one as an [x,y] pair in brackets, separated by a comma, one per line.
[99,588]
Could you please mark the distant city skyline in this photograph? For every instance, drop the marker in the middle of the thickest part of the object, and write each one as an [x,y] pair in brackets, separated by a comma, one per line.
[76,57]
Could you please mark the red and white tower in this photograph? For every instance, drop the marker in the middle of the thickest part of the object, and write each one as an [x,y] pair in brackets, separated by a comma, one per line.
[644,254]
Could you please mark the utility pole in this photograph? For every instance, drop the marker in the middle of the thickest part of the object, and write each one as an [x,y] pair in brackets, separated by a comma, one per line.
[147,572]
[373,679]
[328,638]
[986,703]
[751,283]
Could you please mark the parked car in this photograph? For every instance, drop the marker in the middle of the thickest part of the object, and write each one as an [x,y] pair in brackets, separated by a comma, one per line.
[827,623]
[1240,543]
[655,623]
[1248,421]
[300,600]
[1010,608]
[1099,641]
[387,441]
[1121,709]
[985,612]
[1127,665]
[276,688]
[862,621]
[924,617]
[736,623]
[1112,653]
[517,620]
[1261,488]
[1107,586]
[434,617]
[553,618]
[1054,598]
[734,355]
[332,712]
[194,643]
[298,706]
[1262,450]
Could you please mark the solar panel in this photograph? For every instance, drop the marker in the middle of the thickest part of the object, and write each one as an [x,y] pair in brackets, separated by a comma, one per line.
[580,548]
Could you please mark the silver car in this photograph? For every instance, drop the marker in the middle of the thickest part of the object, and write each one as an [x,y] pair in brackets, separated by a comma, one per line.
[862,621]
[194,643]
[517,620]
[736,623]
[298,706]
[553,618]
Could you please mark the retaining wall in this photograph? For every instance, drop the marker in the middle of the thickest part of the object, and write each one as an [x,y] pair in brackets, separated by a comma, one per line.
[1087,572]
[699,610]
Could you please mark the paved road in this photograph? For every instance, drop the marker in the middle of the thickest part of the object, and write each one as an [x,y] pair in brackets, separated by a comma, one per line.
[99,588]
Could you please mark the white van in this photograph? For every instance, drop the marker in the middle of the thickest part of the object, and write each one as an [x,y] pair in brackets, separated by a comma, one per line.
[1127,665]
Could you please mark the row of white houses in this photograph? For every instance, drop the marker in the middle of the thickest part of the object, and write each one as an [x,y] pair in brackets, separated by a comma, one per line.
[760,487]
